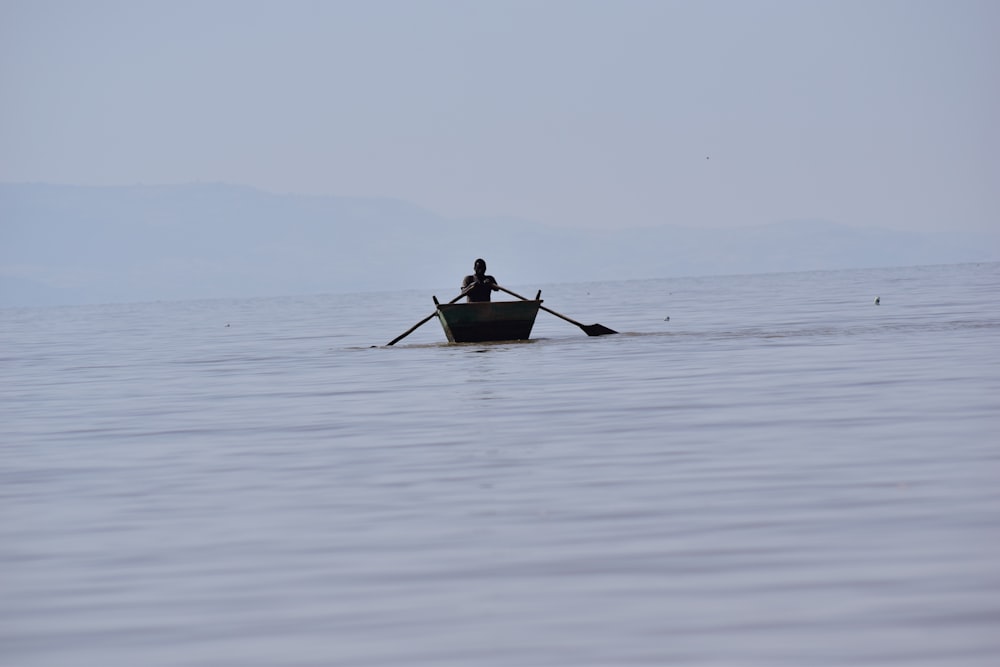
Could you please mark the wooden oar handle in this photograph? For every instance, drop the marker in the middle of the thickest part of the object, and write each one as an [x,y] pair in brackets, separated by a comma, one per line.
[547,310]
[465,290]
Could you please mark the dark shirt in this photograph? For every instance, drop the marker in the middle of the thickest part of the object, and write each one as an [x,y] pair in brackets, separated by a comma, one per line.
[483,288]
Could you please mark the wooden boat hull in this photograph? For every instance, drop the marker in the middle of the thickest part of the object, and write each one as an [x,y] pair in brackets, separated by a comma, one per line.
[483,321]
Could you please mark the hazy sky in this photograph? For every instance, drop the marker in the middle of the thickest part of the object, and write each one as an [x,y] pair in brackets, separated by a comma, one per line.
[565,112]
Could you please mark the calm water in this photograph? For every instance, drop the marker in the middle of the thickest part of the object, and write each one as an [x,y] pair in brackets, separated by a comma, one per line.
[783,473]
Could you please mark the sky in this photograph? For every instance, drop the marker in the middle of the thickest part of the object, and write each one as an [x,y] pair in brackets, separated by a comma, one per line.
[570,113]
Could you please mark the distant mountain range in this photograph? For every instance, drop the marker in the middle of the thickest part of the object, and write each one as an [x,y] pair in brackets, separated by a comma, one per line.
[72,245]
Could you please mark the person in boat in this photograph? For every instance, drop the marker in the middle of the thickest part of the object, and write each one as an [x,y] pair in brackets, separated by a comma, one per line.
[483,285]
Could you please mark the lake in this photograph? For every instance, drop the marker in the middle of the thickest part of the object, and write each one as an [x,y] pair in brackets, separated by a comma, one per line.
[758,470]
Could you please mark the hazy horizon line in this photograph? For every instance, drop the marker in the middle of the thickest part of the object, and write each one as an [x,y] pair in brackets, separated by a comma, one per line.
[805,219]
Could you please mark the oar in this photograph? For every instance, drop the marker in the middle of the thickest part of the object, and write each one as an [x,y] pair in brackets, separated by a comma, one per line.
[590,330]
[429,317]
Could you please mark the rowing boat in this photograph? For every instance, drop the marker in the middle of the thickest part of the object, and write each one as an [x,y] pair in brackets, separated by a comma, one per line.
[482,321]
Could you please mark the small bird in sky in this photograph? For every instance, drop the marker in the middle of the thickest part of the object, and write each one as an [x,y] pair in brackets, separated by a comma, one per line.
[878,300]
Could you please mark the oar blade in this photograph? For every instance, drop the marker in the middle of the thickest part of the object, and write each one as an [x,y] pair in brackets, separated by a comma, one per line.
[597,330]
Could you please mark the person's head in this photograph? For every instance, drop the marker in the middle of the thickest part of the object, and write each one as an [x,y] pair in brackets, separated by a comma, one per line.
[479,267]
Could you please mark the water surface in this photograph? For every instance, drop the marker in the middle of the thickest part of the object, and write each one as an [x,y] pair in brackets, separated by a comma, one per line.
[781,473]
